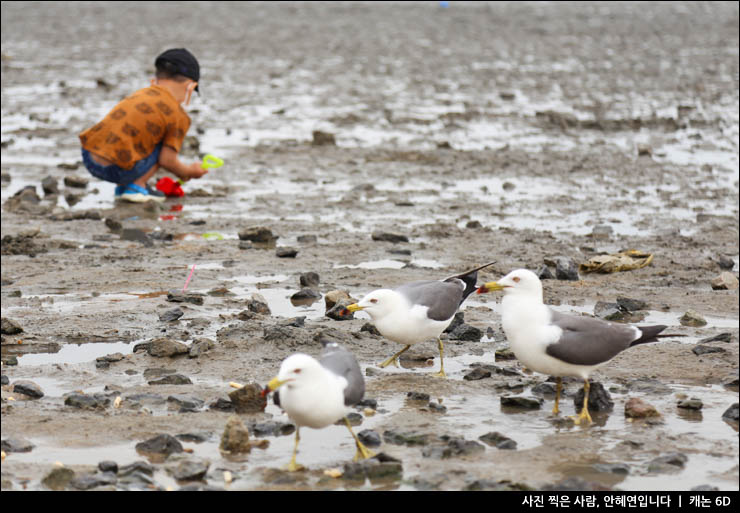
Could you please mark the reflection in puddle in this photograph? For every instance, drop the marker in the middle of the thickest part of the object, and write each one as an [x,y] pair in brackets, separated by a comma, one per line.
[76,353]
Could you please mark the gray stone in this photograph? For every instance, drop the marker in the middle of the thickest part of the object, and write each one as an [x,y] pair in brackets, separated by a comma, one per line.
[58,478]
[369,327]
[108,466]
[476,374]
[731,413]
[76,181]
[701,349]
[286,252]
[50,186]
[389,237]
[172,379]
[498,440]
[200,346]
[690,404]
[544,273]
[162,347]
[726,263]
[89,481]
[722,337]
[529,403]
[28,388]
[258,304]
[309,279]
[369,437]
[612,468]
[163,444]
[86,402]
[171,315]
[693,319]
[599,398]
[670,462]
[272,428]
[136,235]
[304,294]
[320,138]
[258,234]
[136,467]
[10,327]
[184,401]
[631,305]
[466,332]
[16,445]
[190,470]
[178,296]
[565,268]
[408,438]
[602,231]
[307,239]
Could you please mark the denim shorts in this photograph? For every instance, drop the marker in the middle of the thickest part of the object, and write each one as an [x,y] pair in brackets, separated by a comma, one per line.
[119,176]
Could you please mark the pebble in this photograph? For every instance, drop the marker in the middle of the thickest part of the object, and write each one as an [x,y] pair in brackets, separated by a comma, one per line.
[408,438]
[235,438]
[16,445]
[161,347]
[565,268]
[76,181]
[197,438]
[636,408]
[612,468]
[722,337]
[631,305]
[731,413]
[258,234]
[221,404]
[332,297]
[602,231]
[58,478]
[389,237]
[89,481]
[305,293]
[466,332]
[369,438]
[498,440]
[108,466]
[529,403]
[5,380]
[701,349]
[726,263]
[190,470]
[309,279]
[693,319]
[544,273]
[599,398]
[248,399]
[258,304]
[187,402]
[286,252]
[171,315]
[476,374]
[86,402]
[172,379]
[453,447]
[307,239]
[28,388]
[10,327]
[369,327]
[200,346]
[50,186]
[320,138]
[136,467]
[177,296]
[272,428]
[725,281]
[373,469]
[692,404]
[161,444]
[670,462]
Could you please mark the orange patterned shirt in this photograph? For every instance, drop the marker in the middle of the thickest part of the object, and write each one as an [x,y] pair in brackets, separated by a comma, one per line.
[135,126]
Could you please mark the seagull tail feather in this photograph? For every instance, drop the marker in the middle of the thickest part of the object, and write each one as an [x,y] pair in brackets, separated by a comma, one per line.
[651,334]
[469,278]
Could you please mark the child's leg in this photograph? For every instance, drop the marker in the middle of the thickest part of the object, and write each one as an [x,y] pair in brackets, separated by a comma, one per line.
[143,179]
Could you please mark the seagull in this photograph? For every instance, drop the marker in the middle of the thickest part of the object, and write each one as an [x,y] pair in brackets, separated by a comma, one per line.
[316,394]
[418,310]
[557,344]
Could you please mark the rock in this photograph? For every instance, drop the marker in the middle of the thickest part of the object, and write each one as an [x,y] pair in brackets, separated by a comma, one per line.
[731,413]
[389,237]
[245,244]
[599,398]
[309,279]
[693,319]
[220,292]
[171,315]
[86,402]
[608,311]
[16,445]
[725,281]
[177,296]
[58,478]
[649,386]
[258,304]
[113,225]
[199,347]
[190,470]
[408,438]
[529,403]
[186,402]
[636,408]
[701,349]
[457,320]
[333,296]
[272,428]
[28,388]
[322,139]
[307,239]
[110,358]
[305,294]
[161,347]
[369,327]
[496,439]
[172,379]
[235,438]
[248,399]
[79,182]
[631,305]
[163,444]
[565,268]
[286,252]
[602,231]
[136,467]
[136,235]
[476,374]
[294,322]
[221,404]
[10,327]
[691,404]
[5,380]
[417,396]
[544,273]
[467,332]
[726,263]
[722,337]
[376,468]
[108,466]
[495,486]
[89,481]
[369,438]
[612,468]
[258,234]
[50,186]
[670,462]
[437,408]
[454,447]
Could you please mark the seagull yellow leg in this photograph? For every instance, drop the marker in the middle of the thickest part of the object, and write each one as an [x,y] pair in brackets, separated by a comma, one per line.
[558,388]
[362,451]
[293,466]
[584,416]
[394,359]
[441,373]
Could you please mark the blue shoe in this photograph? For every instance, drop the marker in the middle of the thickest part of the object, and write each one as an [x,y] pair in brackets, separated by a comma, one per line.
[119,190]
[137,194]
[156,193]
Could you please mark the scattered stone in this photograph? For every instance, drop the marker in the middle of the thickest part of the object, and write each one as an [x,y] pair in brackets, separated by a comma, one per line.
[599,398]
[457,320]
[725,281]
[693,319]
[108,466]
[16,445]
[476,374]
[245,244]
[86,402]
[670,462]
[454,447]
[612,468]
[110,358]
[631,305]
[172,379]
[286,252]
[136,235]
[185,402]
[732,413]
[307,239]
[79,182]
[701,349]
[529,403]
[544,273]
[602,231]
[28,388]
[608,311]
[636,408]
[497,440]
[305,294]
[565,268]
[161,347]
[58,478]
[417,396]
[650,386]
[691,404]
[294,322]
[178,296]
[222,404]
[495,486]
[410,439]
[163,444]
[248,399]
[5,380]
[332,297]
[323,139]
[197,438]
[272,428]
[722,337]
[190,470]
[369,327]
[258,234]
[726,263]
[141,467]
[235,438]
[50,186]
[466,332]
[309,279]
[258,304]
[437,408]
[369,438]
[504,354]
[389,237]
[171,315]
[10,327]
[113,225]
[89,481]
[200,346]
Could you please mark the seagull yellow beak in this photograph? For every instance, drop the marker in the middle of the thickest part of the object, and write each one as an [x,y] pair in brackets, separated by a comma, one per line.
[354,307]
[490,287]
[275,383]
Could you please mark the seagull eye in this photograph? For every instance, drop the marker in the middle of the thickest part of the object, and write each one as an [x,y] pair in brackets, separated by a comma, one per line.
[373,300]
[515,279]
[297,371]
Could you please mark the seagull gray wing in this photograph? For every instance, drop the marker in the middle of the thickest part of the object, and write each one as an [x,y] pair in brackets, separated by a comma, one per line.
[343,363]
[589,341]
[441,297]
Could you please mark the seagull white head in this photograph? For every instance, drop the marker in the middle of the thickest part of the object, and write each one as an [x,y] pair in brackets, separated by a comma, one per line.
[520,282]
[295,369]
[378,303]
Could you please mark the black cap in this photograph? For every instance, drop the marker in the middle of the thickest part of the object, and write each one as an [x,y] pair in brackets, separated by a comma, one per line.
[180,61]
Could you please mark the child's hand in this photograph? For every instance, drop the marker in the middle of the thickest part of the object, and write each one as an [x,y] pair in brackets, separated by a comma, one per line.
[195,170]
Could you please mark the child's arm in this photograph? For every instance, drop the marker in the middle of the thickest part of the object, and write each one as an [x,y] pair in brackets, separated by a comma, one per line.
[168,160]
